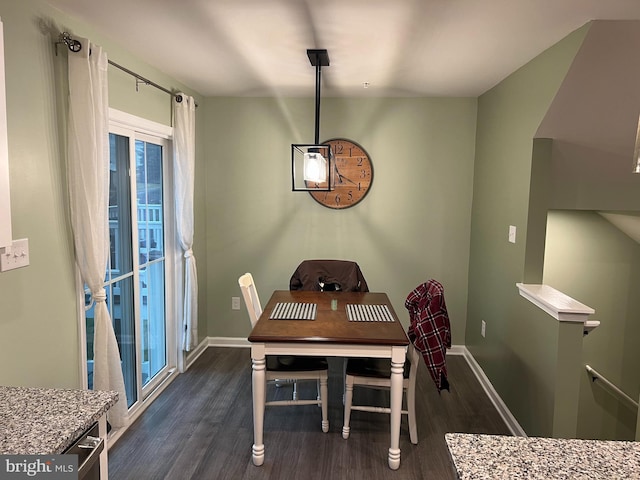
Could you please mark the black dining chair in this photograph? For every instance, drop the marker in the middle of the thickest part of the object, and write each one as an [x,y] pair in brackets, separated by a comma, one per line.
[328,275]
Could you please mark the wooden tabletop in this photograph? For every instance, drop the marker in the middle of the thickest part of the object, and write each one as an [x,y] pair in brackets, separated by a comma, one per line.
[329,326]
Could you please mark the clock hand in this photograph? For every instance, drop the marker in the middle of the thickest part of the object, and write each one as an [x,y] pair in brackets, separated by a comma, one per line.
[340,176]
[335,167]
[347,179]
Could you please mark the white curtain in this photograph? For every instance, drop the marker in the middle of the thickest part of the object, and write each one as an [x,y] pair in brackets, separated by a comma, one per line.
[88,177]
[184,160]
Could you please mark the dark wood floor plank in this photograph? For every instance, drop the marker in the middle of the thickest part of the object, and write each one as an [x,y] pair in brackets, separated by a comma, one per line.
[201,427]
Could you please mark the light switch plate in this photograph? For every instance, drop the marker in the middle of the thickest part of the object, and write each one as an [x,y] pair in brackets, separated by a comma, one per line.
[512,233]
[235,303]
[15,256]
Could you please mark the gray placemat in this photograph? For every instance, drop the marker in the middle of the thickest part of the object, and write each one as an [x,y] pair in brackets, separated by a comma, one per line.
[369,313]
[294,311]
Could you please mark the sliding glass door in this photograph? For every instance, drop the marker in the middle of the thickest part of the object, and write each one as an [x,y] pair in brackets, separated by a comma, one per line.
[137,271]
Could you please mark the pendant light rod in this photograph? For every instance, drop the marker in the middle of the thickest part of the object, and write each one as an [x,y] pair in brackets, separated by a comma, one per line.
[318,81]
[319,59]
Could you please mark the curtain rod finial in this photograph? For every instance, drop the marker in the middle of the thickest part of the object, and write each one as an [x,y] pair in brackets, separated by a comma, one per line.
[71,43]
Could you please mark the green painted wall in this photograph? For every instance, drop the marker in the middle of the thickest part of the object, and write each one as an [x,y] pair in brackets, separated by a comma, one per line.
[592,261]
[521,341]
[413,225]
[39,341]
[451,174]
[592,122]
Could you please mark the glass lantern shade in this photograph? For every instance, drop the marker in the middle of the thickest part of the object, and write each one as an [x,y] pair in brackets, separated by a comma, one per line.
[311,168]
[315,168]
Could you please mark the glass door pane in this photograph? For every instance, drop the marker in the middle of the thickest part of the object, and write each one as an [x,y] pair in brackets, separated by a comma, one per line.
[151,257]
[119,275]
[120,303]
[152,315]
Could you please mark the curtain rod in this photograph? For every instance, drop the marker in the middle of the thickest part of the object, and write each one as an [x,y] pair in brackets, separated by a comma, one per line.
[75,46]
[146,81]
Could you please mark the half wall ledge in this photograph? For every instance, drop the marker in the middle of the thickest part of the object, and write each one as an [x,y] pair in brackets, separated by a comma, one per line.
[560,306]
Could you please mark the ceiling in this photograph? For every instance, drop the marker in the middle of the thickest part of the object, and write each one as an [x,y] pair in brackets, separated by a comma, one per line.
[628,223]
[399,47]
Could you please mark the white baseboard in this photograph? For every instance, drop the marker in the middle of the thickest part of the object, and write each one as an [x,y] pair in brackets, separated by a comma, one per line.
[507,416]
[214,342]
[136,411]
[228,342]
[193,355]
[456,350]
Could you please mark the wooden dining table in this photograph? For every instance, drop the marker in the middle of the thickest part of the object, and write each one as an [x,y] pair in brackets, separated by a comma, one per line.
[329,333]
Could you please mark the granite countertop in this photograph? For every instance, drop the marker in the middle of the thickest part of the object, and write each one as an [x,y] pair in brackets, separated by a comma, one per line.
[499,457]
[40,421]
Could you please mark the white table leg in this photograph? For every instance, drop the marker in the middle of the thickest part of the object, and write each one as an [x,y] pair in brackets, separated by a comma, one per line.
[104,461]
[324,396]
[397,367]
[259,390]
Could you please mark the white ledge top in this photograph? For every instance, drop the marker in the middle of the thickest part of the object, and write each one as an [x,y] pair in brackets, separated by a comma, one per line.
[560,306]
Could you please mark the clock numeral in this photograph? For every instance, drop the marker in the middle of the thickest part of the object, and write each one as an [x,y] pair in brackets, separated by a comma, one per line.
[363,174]
[359,186]
[339,148]
[337,199]
[350,195]
[360,160]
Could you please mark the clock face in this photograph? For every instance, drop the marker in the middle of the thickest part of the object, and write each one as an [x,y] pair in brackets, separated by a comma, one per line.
[352,174]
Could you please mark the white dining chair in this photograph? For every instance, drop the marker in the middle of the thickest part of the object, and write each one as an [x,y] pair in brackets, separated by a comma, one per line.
[376,373]
[289,369]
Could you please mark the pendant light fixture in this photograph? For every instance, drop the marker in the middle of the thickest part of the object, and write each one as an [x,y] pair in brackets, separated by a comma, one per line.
[311,163]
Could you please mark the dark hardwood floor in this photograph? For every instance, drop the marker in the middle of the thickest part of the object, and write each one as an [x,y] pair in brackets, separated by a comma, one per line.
[201,427]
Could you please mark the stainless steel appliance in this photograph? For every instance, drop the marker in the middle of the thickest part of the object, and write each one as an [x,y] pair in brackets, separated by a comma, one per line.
[88,448]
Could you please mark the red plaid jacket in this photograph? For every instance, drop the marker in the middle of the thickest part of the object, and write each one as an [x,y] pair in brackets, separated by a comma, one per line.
[429,330]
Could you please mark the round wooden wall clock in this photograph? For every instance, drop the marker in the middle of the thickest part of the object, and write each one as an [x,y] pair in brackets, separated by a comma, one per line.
[352,175]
